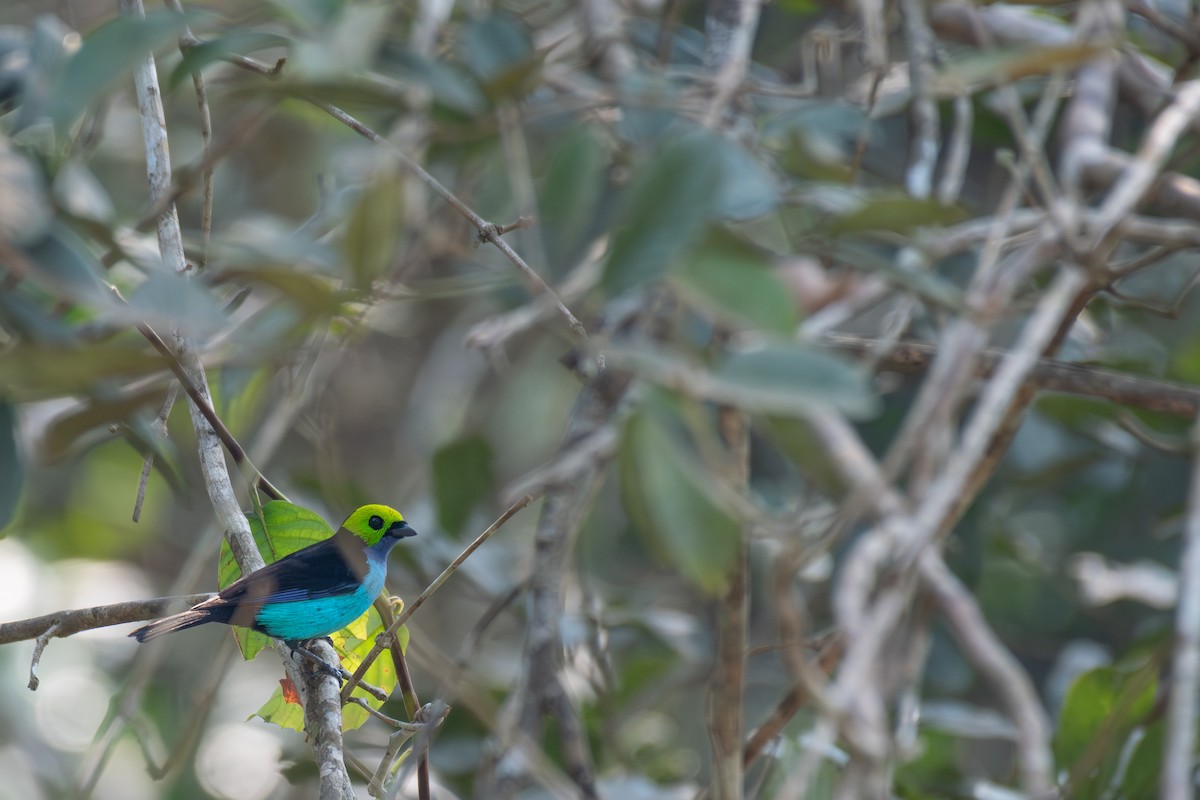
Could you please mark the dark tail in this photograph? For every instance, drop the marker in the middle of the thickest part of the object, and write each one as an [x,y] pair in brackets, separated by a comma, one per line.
[176,622]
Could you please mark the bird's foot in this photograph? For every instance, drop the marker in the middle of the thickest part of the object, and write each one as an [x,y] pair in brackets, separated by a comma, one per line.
[320,663]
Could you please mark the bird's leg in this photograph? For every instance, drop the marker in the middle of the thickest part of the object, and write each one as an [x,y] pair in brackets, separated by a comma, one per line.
[321,664]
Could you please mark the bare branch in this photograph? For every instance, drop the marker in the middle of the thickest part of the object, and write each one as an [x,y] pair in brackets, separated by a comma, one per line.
[1048,375]
[985,651]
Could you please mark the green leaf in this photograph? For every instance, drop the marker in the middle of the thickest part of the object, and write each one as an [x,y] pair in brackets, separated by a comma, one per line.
[373,231]
[930,286]
[108,53]
[570,196]
[179,302]
[691,180]
[63,264]
[284,528]
[1145,765]
[462,477]
[499,50]
[673,503]
[39,371]
[12,473]
[667,206]
[782,375]
[25,213]
[732,280]
[895,214]
[64,433]
[353,643]
[1101,708]
[234,43]
[998,66]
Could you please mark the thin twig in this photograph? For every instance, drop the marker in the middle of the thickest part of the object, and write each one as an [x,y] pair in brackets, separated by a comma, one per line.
[988,654]
[160,427]
[1049,375]
[924,125]
[203,404]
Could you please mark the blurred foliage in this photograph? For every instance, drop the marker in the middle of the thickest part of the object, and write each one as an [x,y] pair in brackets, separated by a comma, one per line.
[364,347]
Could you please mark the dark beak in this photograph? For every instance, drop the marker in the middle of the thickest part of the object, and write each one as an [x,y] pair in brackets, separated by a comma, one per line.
[400,530]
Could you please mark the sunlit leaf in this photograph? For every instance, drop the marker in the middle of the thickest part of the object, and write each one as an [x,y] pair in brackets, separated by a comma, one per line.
[462,477]
[352,644]
[12,473]
[1145,764]
[109,52]
[281,710]
[1102,706]
[673,503]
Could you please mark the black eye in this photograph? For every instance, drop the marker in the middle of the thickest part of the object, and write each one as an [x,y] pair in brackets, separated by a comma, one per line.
[376,522]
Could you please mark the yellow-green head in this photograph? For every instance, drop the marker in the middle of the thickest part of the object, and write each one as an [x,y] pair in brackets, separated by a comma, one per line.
[372,522]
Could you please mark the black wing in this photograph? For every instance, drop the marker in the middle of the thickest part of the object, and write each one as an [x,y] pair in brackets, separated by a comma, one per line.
[331,567]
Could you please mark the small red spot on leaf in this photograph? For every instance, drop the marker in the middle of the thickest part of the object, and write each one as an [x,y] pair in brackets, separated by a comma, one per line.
[290,694]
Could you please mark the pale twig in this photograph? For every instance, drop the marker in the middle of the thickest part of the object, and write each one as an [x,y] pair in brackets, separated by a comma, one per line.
[946,494]
[1178,782]
[160,428]
[202,404]
[730,26]
[999,667]
[1049,375]
[958,151]
[924,125]
[1146,166]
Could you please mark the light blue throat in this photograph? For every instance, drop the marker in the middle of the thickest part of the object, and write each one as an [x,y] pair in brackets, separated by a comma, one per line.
[311,619]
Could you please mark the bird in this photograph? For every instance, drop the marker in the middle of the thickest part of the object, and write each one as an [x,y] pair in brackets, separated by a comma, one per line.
[308,594]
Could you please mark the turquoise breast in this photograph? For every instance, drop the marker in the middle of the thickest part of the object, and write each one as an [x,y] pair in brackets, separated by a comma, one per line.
[311,619]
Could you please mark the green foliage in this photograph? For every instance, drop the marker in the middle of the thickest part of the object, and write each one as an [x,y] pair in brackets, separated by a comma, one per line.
[1102,708]
[731,280]
[107,54]
[372,236]
[691,180]
[462,479]
[675,503]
